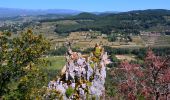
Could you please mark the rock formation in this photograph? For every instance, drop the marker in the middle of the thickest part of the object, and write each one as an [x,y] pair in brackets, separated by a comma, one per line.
[82,77]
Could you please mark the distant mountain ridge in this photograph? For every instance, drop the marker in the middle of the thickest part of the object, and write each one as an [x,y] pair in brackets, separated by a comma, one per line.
[11,12]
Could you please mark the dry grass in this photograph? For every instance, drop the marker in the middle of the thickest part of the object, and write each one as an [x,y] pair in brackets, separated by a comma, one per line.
[137,40]
[126,57]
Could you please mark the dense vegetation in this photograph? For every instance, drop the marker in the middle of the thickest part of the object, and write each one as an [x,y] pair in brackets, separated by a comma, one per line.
[147,81]
[20,73]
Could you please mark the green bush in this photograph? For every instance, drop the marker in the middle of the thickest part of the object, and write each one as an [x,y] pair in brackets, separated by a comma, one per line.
[69,92]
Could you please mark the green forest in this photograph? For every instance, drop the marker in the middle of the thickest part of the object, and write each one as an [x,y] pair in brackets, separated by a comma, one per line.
[131,22]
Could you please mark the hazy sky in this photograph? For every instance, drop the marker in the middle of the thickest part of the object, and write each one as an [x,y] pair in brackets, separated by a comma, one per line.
[87,5]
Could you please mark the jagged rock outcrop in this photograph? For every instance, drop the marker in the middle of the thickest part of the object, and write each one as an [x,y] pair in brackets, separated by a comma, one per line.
[81,77]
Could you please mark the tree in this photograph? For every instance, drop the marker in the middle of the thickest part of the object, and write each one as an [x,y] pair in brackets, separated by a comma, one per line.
[18,60]
[4,69]
[148,81]
[158,70]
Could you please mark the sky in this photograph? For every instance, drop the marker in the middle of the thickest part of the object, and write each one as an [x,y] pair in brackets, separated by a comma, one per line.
[87,5]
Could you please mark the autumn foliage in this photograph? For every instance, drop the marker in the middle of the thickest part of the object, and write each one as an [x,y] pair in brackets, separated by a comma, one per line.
[149,81]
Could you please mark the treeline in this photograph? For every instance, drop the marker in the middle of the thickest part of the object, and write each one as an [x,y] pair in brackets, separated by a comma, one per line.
[125,23]
[139,52]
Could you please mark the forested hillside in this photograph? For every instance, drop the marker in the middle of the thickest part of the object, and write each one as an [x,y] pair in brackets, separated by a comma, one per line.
[124,22]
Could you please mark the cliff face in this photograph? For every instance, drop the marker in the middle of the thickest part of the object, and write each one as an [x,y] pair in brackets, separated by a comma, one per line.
[81,78]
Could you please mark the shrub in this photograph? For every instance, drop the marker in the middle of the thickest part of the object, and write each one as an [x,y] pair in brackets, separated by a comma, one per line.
[69,92]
